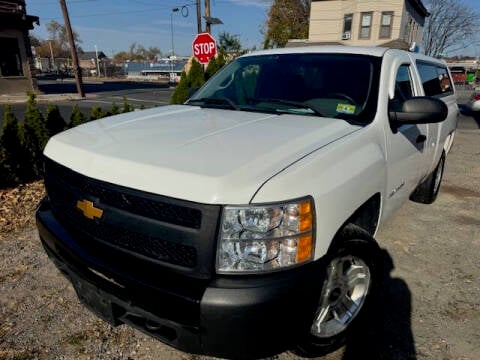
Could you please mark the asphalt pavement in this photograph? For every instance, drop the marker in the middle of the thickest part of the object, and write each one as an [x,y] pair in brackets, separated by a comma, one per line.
[98,93]
[148,95]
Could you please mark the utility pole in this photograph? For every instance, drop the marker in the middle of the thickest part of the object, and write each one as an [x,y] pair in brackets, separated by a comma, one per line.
[207,16]
[199,17]
[51,53]
[96,61]
[76,67]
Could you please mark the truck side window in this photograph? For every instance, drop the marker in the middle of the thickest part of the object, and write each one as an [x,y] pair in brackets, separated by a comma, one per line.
[435,79]
[403,88]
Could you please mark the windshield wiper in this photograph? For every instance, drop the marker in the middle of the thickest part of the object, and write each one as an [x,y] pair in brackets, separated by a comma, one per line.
[214,101]
[297,104]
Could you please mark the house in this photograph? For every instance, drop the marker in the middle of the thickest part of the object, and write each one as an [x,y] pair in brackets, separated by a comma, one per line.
[16,64]
[88,64]
[392,23]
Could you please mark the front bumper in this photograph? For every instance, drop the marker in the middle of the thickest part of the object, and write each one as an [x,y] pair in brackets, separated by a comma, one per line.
[224,316]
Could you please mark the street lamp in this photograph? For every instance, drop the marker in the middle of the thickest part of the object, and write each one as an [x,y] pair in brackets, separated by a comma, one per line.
[174,10]
[172,75]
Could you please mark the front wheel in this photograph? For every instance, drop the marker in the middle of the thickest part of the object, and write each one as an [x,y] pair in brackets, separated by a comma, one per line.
[347,293]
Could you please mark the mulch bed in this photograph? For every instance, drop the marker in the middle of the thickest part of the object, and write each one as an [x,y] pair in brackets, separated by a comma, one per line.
[17,206]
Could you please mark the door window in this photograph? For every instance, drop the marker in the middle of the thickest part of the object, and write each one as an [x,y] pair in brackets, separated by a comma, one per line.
[435,79]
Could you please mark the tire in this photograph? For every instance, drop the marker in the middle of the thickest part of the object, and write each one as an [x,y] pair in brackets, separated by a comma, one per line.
[351,283]
[427,191]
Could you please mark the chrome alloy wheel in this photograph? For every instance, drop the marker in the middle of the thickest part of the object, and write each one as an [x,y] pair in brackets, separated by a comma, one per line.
[343,295]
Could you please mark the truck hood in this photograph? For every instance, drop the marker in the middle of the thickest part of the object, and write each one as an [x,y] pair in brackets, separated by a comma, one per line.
[203,155]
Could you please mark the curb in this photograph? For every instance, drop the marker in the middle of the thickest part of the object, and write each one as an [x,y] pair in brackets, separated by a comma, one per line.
[18,99]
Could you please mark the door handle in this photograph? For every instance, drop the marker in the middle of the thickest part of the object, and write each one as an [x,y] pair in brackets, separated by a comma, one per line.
[421,138]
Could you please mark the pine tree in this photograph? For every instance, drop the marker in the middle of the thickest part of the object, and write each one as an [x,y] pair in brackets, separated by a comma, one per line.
[12,152]
[221,59]
[126,106]
[115,109]
[96,113]
[36,137]
[212,68]
[55,122]
[194,79]
[180,95]
[195,75]
[77,117]
[215,64]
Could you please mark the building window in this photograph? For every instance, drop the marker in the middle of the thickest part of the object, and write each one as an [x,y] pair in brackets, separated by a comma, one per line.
[347,24]
[10,59]
[386,25]
[365,25]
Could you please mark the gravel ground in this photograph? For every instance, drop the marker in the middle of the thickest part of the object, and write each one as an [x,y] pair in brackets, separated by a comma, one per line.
[430,306]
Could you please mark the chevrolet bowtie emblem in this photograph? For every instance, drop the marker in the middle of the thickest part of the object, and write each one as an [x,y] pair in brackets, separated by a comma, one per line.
[88,210]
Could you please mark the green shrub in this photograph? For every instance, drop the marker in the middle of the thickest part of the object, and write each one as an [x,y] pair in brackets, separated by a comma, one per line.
[196,77]
[12,152]
[212,68]
[180,95]
[35,138]
[97,113]
[126,106]
[115,109]
[55,122]
[215,64]
[77,117]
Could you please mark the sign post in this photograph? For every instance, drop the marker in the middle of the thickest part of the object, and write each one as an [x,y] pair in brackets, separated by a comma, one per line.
[204,47]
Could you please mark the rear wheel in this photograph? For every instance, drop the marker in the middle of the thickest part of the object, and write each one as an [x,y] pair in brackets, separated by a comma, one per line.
[348,290]
[427,191]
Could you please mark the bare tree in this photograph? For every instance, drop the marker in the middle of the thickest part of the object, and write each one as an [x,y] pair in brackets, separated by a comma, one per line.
[137,52]
[452,26]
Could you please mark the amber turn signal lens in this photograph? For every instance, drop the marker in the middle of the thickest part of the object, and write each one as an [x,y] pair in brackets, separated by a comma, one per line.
[305,248]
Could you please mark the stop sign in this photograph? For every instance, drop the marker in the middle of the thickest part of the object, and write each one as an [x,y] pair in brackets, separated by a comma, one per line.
[204,47]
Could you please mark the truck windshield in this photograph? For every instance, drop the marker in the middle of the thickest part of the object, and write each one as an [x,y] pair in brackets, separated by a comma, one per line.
[343,86]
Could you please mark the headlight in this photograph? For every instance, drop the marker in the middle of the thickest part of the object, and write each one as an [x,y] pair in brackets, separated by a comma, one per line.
[265,237]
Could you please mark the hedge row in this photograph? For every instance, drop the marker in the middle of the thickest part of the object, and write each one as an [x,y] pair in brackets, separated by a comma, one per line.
[22,144]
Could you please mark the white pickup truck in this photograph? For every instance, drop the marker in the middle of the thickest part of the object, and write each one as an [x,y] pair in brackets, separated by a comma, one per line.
[242,223]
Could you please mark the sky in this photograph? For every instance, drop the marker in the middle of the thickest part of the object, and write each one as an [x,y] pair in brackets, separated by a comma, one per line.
[113,25]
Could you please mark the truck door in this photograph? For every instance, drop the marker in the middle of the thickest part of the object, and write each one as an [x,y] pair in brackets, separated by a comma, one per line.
[405,144]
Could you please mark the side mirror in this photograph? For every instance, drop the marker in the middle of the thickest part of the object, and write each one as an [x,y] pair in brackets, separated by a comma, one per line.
[420,110]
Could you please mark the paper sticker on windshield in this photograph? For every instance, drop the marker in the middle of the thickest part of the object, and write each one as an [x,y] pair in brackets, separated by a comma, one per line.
[346,109]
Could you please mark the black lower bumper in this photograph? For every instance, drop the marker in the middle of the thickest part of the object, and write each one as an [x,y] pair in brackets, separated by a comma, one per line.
[232,317]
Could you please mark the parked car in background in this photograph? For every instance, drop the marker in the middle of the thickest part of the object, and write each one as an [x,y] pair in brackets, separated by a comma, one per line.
[459,74]
[474,103]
